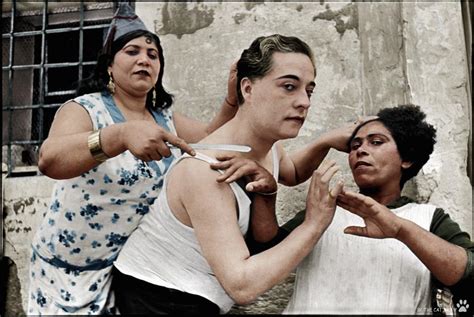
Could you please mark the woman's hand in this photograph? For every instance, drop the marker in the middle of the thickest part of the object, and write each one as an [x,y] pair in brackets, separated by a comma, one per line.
[259,180]
[147,140]
[231,98]
[380,222]
[321,200]
[338,138]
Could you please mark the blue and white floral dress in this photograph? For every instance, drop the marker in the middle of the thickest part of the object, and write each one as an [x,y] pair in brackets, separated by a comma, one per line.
[88,222]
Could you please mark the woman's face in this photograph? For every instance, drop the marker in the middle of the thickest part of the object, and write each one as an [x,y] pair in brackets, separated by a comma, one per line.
[136,66]
[281,99]
[374,158]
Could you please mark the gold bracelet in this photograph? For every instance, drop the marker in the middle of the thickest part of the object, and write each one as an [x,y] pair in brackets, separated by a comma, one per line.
[93,142]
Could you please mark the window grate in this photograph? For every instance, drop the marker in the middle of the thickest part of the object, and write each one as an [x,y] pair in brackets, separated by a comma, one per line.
[47,48]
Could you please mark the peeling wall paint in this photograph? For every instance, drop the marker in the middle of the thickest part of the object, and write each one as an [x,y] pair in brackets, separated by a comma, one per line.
[181,18]
[239,17]
[345,18]
[369,55]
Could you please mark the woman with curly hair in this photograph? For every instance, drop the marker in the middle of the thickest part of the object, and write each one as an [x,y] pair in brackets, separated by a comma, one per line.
[411,245]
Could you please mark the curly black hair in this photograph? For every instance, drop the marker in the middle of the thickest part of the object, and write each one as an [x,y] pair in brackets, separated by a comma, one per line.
[415,138]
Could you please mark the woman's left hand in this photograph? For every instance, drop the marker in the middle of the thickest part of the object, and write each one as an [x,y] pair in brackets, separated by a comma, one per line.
[258,178]
[338,138]
[380,222]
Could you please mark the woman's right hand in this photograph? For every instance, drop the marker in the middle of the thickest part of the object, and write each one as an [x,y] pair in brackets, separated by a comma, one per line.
[321,200]
[259,180]
[148,141]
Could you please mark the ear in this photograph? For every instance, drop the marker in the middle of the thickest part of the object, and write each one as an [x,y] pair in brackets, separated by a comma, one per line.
[246,87]
[406,164]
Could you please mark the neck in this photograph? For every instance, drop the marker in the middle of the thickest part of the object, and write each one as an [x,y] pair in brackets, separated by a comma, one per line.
[130,102]
[383,197]
[240,130]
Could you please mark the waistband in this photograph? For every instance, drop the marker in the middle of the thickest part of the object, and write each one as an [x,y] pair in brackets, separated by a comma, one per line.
[94,265]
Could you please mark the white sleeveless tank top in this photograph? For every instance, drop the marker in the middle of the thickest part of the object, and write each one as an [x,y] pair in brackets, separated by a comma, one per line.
[165,252]
[346,274]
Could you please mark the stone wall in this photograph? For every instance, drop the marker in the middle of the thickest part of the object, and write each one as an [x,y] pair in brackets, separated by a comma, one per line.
[368,55]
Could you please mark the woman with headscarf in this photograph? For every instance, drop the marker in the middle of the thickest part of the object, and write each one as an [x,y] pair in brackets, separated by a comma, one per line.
[109,149]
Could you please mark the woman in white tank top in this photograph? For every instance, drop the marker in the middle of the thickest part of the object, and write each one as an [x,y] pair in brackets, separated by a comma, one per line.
[188,254]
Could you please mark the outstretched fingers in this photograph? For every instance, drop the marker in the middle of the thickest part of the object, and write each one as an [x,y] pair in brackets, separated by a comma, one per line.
[338,189]
[356,203]
[323,176]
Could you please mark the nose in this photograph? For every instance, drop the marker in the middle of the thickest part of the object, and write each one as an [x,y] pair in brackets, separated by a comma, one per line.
[143,59]
[303,100]
[362,150]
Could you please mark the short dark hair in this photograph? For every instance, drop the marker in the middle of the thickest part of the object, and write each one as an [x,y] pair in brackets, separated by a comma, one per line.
[414,137]
[100,78]
[256,61]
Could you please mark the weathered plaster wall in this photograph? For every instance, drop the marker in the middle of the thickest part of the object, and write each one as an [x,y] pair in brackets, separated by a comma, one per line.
[25,202]
[369,56]
[436,76]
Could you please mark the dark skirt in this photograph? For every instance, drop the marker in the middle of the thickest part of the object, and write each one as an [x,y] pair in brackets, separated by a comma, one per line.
[134,296]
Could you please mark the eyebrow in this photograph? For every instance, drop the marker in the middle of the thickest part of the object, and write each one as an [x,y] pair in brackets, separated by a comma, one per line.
[290,76]
[369,136]
[138,46]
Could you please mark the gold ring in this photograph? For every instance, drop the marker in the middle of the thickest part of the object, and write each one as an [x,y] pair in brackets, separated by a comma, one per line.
[330,195]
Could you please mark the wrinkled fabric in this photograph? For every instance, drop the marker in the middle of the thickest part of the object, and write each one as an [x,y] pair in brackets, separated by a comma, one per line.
[347,274]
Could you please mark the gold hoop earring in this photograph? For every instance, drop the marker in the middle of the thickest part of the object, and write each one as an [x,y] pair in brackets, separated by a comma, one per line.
[153,98]
[111,84]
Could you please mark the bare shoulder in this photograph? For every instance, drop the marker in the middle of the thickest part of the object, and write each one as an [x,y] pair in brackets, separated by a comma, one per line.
[71,112]
[70,118]
[71,107]
[191,172]
[193,180]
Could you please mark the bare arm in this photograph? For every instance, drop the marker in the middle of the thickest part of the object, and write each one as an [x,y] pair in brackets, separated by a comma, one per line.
[263,221]
[245,277]
[65,153]
[445,260]
[297,167]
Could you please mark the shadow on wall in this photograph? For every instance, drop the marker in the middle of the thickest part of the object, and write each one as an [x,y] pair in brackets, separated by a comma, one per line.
[10,295]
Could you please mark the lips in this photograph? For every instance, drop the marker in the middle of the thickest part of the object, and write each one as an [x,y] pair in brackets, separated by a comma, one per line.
[361,163]
[297,118]
[142,73]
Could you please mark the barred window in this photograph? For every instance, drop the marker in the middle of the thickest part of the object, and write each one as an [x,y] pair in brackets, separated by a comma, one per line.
[47,48]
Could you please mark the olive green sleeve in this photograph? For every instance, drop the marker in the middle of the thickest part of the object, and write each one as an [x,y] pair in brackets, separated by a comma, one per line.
[294,222]
[447,229]
[257,247]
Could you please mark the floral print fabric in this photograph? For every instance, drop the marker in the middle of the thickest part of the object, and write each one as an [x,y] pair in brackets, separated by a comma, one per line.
[89,220]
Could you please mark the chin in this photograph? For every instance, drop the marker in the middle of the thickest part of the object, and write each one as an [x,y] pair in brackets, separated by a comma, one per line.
[363,182]
[292,133]
[142,87]
[287,136]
